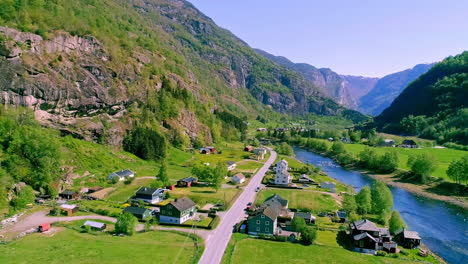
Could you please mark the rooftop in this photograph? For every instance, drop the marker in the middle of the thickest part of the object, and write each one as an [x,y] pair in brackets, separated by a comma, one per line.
[68,206]
[135,210]
[276,198]
[364,225]
[94,224]
[183,203]
[148,191]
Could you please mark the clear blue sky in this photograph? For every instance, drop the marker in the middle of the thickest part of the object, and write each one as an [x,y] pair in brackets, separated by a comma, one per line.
[358,37]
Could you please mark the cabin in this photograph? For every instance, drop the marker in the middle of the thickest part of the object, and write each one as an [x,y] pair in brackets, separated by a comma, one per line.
[43,227]
[368,238]
[186,182]
[139,212]
[307,216]
[305,179]
[407,239]
[68,195]
[98,226]
[238,178]
[231,165]
[178,211]
[121,175]
[248,148]
[70,209]
[408,143]
[149,195]
[328,185]
[208,150]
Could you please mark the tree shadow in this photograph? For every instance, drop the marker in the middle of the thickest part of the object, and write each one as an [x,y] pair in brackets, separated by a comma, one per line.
[449,189]
[344,240]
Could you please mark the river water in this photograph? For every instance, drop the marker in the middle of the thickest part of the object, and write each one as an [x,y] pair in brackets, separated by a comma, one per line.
[442,227]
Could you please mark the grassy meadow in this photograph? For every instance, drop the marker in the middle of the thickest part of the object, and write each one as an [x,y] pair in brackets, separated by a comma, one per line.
[301,199]
[69,246]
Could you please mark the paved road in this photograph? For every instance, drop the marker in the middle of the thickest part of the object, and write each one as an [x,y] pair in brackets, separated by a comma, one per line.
[218,239]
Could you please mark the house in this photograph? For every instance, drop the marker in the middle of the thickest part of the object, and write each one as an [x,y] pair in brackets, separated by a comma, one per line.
[43,227]
[264,221]
[282,176]
[407,239]
[387,143]
[260,153]
[307,216]
[281,204]
[330,139]
[69,208]
[328,185]
[231,165]
[178,211]
[139,212]
[305,179]
[238,178]
[408,143]
[149,195]
[186,182]
[368,238]
[208,150]
[121,175]
[248,148]
[262,129]
[68,195]
[346,140]
[95,225]
[342,216]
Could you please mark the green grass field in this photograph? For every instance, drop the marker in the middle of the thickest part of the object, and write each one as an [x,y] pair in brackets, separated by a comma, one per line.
[443,156]
[204,195]
[301,199]
[122,191]
[262,251]
[69,246]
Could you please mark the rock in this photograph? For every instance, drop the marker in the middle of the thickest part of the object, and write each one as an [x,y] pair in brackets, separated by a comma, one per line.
[9,49]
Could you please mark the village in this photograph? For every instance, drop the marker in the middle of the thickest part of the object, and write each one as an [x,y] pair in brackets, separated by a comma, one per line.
[295,203]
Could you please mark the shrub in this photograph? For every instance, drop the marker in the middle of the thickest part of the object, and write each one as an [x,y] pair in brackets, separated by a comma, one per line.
[381,253]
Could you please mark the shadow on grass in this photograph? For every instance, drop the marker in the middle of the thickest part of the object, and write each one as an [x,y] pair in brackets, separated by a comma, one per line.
[449,189]
[204,191]
[344,240]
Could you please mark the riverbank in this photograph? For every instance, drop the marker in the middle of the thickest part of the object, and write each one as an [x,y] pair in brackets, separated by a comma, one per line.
[418,189]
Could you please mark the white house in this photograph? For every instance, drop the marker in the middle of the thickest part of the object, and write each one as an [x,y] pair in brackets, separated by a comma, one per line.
[231,165]
[328,185]
[238,178]
[260,153]
[121,175]
[282,176]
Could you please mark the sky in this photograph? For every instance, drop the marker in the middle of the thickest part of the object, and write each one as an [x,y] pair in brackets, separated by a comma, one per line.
[369,38]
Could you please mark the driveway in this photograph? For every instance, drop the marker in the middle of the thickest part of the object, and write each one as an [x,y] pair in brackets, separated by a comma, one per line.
[218,239]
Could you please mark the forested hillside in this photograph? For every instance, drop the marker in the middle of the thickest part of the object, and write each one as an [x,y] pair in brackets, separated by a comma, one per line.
[96,69]
[434,106]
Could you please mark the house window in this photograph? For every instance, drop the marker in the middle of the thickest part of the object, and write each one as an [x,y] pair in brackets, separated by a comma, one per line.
[267,230]
[262,216]
[267,223]
[258,229]
[258,222]
[361,244]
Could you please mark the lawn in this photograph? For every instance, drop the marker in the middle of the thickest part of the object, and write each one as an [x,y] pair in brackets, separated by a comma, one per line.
[69,246]
[248,166]
[301,199]
[261,251]
[204,195]
[443,156]
[233,151]
[123,192]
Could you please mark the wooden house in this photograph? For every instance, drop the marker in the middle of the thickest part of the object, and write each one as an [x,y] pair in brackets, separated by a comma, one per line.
[407,239]
[178,211]
[68,195]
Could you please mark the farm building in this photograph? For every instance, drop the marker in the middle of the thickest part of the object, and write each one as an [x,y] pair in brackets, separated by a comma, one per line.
[69,208]
[68,195]
[139,212]
[248,148]
[95,225]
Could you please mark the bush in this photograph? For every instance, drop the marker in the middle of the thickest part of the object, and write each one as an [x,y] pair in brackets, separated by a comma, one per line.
[381,253]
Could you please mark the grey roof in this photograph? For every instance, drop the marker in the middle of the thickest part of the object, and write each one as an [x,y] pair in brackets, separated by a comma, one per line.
[408,142]
[148,191]
[189,179]
[135,210]
[183,203]
[409,234]
[364,225]
[68,192]
[122,173]
[363,235]
[271,212]
[94,224]
[305,215]
[276,198]
[383,231]
[341,214]
[229,163]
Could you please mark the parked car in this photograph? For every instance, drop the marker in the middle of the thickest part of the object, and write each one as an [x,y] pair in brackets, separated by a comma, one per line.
[257,189]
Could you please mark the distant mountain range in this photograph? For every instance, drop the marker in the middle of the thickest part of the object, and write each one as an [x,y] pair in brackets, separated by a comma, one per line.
[367,95]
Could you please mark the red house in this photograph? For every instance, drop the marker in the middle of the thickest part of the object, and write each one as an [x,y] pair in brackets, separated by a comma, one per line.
[43,227]
[248,148]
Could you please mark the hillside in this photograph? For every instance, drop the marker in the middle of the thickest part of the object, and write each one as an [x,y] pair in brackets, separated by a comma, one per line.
[434,106]
[388,88]
[96,69]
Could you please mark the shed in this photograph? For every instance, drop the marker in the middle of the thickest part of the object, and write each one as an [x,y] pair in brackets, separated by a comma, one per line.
[68,195]
[238,178]
[43,227]
[248,148]
[95,225]
[307,216]
[186,182]
[139,212]
[69,208]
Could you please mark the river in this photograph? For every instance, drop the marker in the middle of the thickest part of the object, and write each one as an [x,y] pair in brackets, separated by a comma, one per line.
[442,227]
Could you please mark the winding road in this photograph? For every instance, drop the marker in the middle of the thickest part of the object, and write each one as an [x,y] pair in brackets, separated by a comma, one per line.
[218,239]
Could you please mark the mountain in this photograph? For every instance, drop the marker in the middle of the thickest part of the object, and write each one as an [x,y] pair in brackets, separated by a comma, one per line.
[388,88]
[97,69]
[434,106]
[365,94]
[331,83]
